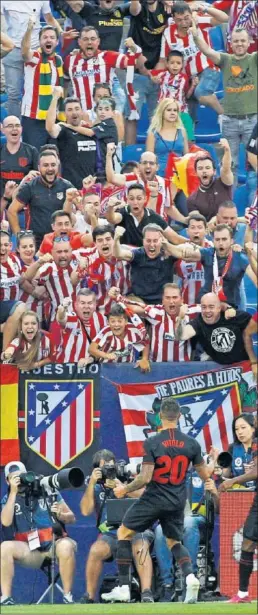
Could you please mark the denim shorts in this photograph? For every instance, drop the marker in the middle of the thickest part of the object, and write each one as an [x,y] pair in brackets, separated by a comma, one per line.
[209,81]
[7,309]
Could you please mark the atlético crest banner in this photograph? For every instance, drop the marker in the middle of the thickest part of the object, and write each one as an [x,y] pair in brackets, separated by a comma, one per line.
[209,401]
[59,417]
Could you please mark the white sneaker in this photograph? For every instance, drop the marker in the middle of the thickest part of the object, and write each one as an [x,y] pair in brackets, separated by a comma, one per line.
[192,589]
[118,594]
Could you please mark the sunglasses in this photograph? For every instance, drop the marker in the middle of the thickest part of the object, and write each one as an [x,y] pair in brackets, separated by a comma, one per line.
[61,238]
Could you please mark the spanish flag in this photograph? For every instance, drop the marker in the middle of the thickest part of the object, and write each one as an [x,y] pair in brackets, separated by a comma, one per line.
[185,177]
[10,448]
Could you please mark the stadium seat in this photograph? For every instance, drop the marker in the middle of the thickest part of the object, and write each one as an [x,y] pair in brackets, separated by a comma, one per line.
[132,152]
[242,164]
[3,97]
[240,198]
[2,139]
[3,113]
[207,129]
[143,125]
[217,39]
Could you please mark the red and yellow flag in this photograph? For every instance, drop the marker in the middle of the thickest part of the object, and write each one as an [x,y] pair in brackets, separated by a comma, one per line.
[10,448]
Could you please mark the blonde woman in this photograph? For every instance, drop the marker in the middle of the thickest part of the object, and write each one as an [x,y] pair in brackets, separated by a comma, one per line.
[166,133]
[32,347]
[167,136]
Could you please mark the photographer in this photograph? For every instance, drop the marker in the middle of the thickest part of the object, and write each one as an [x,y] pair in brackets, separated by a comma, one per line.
[99,489]
[31,518]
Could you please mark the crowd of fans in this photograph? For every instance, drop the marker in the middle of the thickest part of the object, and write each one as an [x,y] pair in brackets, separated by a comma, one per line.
[109,261]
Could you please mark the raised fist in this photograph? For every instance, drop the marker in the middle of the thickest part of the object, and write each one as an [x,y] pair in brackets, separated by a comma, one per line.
[46,258]
[58,91]
[119,232]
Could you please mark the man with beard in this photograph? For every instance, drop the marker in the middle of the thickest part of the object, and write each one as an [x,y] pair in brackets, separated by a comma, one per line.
[43,69]
[53,271]
[224,268]
[192,274]
[159,196]
[98,268]
[79,328]
[91,65]
[18,159]
[72,146]
[44,194]
[212,191]
[220,336]
[151,265]
[240,89]
[162,318]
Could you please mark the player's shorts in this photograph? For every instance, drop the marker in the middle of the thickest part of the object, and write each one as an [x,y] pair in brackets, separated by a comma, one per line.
[250,530]
[149,509]
[111,540]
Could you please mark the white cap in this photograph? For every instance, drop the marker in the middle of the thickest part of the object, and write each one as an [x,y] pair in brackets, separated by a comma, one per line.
[14,466]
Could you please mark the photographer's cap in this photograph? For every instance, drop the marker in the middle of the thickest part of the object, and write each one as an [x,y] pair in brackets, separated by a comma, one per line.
[14,466]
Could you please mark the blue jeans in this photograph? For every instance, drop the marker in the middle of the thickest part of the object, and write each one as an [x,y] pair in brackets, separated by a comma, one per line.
[164,557]
[192,528]
[236,130]
[209,81]
[14,76]
[251,185]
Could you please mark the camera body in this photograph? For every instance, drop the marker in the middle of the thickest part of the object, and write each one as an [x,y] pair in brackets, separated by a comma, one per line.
[36,484]
[121,469]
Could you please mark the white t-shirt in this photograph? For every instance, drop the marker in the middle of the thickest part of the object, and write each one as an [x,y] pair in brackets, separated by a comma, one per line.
[82,226]
[17,14]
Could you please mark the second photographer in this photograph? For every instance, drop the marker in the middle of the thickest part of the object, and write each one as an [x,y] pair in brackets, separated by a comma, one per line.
[99,489]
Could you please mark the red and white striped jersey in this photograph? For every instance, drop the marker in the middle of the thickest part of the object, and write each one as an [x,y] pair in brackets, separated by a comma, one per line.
[114,273]
[10,273]
[32,88]
[135,338]
[174,86]
[192,275]
[85,73]
[36,305]
[164,196]
[57,282]
[76,337]
[163,345]
[195,60]
[45,345]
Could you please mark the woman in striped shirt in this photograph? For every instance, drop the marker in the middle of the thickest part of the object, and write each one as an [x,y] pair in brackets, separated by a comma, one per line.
[32,348]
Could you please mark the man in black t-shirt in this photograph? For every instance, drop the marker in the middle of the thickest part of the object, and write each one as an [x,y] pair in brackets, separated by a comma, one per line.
[17,160]
[44,194]
[77,152]
[107,17]
[220,335]
[167,457]
[146,30]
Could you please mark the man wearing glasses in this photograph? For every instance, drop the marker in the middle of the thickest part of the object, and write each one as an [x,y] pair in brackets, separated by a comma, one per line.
[18,161]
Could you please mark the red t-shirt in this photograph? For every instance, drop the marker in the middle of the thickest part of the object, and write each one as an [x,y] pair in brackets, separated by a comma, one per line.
[47,243]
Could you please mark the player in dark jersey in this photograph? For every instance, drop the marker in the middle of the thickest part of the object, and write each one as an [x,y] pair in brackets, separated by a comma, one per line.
[250,531]
[165,464]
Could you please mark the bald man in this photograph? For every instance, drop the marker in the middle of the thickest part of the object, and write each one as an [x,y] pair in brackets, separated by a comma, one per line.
[219,333]
[18,160]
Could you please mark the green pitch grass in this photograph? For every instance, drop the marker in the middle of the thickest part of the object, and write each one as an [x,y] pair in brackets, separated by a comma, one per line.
[158,608]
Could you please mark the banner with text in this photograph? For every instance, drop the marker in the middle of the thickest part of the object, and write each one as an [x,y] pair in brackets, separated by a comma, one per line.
[209,401]
[59,417]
